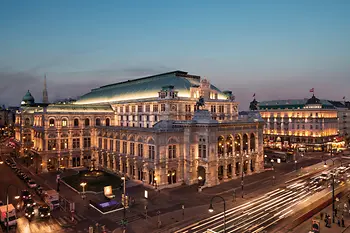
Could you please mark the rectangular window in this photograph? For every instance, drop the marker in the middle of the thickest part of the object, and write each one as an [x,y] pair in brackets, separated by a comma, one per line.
[155,118]
[132,148]
[133,108]
[117,146]
[172,151]
[139,108]
[199,151]
[64,123]
[125,147]
[87,142]
[204,151]
[127,109]
[76,143]
[151,152]
[148,108]
[140,118]
[111,143]
[100,143]
[162,107]
[51,144]
[64,144]
[140,150]
[188,108]
[213,108]
[155,107]
[105,142]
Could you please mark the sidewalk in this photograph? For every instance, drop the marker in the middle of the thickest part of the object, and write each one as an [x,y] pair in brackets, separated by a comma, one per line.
[306,225]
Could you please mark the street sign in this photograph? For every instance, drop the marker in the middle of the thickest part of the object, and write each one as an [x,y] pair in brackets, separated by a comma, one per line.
[316,226]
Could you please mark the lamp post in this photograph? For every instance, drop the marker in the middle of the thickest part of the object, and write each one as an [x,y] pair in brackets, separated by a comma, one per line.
[333,184]
[212,210]
[242,180]
[83,184]
[124,200]
[7,205]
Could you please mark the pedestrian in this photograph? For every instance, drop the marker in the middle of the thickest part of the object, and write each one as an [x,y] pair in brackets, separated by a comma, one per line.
[321,215]
[342,222]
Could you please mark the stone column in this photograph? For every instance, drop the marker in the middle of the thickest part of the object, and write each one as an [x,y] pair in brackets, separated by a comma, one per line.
[233,172]
[121,164]
[128,168]
[225,170]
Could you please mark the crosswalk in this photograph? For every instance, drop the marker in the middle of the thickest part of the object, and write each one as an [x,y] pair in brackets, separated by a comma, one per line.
[66,220]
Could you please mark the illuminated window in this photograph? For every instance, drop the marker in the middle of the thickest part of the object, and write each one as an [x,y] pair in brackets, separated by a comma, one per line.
[64,123]
[52,123]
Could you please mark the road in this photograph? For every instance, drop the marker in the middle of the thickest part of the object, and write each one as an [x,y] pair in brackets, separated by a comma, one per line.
[260,213]
[9,177]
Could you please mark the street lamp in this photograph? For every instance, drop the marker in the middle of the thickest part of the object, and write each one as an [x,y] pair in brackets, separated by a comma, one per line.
[211,209]
[83,184]
[333,184]
[296,162]
[155,182]
[124,199]
[7,205]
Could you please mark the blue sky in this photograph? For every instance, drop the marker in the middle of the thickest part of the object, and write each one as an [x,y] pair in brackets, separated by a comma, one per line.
[276,49]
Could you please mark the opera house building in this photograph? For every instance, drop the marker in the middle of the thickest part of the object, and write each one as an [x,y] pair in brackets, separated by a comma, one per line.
[163,130]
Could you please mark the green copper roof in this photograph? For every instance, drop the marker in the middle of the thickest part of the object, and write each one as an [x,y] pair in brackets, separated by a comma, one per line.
[143,88]
[28,97]
[291,104]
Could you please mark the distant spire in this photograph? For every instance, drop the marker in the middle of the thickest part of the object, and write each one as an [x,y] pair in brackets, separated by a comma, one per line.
[45,96]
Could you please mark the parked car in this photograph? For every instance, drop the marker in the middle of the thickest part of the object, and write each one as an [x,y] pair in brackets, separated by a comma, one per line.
[31,184]
[44,211]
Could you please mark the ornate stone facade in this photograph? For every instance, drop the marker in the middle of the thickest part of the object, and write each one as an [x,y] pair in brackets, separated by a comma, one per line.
[162,141]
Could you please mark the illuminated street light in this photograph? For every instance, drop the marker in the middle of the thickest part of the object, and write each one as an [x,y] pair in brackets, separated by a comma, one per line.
[211,209]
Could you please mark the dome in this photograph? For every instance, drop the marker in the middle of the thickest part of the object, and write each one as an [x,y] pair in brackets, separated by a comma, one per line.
[313,100]
[27,98]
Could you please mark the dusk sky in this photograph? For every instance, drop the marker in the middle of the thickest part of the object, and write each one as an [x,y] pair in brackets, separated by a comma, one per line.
[276,50]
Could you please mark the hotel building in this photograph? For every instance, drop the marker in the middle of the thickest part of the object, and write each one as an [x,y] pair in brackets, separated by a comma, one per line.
[303,123]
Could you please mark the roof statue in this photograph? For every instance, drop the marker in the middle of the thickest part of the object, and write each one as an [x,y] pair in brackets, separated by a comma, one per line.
[200,102]
[253,105]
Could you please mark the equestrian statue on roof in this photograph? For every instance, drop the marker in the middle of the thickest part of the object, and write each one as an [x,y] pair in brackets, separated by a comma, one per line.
[200,103]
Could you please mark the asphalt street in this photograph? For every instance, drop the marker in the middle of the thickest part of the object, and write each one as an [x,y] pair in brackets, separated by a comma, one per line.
[260,213]
[9,179]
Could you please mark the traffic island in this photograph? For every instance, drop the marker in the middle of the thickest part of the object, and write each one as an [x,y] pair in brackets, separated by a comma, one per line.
[95,181]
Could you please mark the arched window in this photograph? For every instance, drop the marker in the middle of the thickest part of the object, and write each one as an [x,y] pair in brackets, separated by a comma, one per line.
[238,144]
[108,122]
[64,123]
[76,122]
[87,122]
[221,145]
[252,142]
[98,122]
[51,122]
[229,145]
[245,142]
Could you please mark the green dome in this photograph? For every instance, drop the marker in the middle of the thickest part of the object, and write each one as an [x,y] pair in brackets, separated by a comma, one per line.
[28,98]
